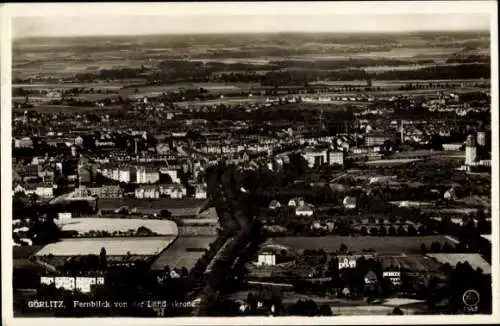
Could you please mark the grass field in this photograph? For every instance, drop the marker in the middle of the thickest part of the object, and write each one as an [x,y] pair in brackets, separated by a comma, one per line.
[197,230]
[155,90]
[415,263]
[382,245]
[387,83]
[392,161]
[184,252]
[147,246]
[111,86]
[86,224]
[46,108]
[225,101]
[475,260]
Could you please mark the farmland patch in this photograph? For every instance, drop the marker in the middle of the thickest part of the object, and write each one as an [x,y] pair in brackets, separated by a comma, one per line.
[86,224]
[147,246]
[184,252]
[382,245]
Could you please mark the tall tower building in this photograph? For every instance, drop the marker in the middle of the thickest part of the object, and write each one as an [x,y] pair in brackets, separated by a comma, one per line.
[470,150]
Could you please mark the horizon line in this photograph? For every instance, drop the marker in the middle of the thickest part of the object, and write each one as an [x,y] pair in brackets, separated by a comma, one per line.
[479,30]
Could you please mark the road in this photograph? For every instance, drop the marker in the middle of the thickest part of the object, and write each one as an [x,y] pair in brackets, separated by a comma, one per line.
[227,255]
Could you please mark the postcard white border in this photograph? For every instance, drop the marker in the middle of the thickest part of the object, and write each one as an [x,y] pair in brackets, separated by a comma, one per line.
[8,11]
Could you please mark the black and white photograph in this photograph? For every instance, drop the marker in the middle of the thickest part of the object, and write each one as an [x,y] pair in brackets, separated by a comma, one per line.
[250,162]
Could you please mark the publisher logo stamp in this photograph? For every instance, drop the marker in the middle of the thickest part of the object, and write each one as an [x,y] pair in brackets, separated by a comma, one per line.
[471,299]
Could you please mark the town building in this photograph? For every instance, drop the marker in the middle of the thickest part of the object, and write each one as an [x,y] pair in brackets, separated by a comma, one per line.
[147,175]
[481,138]
[370,278]
[316,158]
[375,139]
[200,192]
[470,150]
[306,210]
[347,262]
[106,191]
[266,258]
[83,284]
[25,142]
[393,276]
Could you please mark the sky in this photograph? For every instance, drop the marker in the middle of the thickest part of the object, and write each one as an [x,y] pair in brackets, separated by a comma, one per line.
[247,17]
[140,25]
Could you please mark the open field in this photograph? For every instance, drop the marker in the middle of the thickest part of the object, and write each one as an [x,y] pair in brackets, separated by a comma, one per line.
[210,87]
[197,230]
[415,263]
[178,207]
[63,86]
[392,161]
[226,101]
[382,245]
[147,246]
[46,108]
[86,224]
[475,260]
[348,307]
[184,252]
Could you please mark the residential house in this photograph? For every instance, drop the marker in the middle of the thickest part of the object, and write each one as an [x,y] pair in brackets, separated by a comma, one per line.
[274,204]
[306,210]
[266,258]
[335,157]
[84,175]
[45,190]
[375,139]
[106,191]
[371,278]
[347,262]
[173,190]
[171,173]
[79,141]
[64,216]
[25,142]
[349,202]
[315,158]
[30,172]
[30,189]
[394,276]
[18,189]
[46,174]
[200,192]
[452,146]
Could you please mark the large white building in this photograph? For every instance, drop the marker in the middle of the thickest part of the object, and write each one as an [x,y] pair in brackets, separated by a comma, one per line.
[147,192]
[470,150]
[320,157]
[146,175]
[347,262]
[172,174]
[481,138]
[71,283]
[266,259]
[393,276]
[25,142]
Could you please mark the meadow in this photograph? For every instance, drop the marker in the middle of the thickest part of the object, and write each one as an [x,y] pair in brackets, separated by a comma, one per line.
[184,252]
[382,245]
[147,246]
